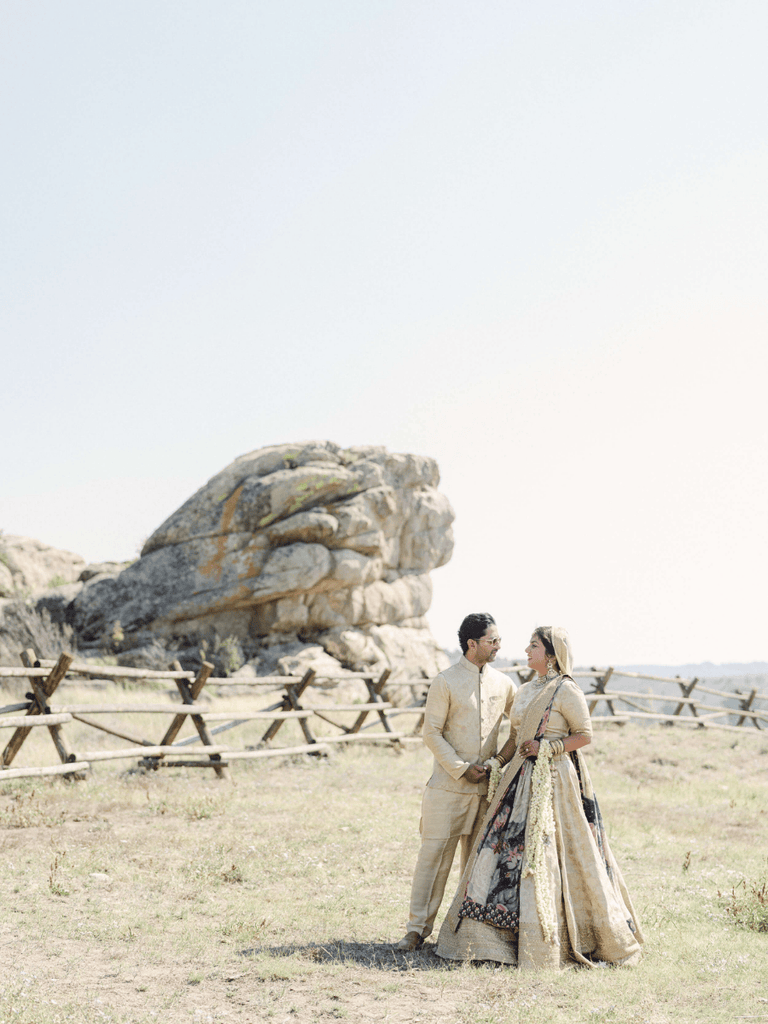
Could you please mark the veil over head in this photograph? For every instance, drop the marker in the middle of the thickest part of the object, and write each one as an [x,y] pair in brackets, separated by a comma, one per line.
[561,642]
[563,650]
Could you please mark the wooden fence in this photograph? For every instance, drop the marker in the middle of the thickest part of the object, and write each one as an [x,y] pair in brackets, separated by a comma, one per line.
[45,677]
[607,704]
[617,705]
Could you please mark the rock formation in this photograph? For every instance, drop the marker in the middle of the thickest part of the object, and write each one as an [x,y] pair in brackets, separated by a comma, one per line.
[28,565]
[291,548]
[37,586]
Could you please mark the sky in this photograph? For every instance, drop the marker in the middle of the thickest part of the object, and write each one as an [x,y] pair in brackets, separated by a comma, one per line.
[527,240]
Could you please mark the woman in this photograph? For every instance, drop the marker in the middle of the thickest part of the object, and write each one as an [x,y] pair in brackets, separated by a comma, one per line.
[542,888]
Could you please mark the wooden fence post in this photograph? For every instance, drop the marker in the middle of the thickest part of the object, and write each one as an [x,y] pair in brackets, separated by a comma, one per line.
[38,707]
[293,697]
[290,702]
[374,694]
[29,658]
[374,698]
[600,684]
[194,691]
[746,706]
[687,691]
[189,695]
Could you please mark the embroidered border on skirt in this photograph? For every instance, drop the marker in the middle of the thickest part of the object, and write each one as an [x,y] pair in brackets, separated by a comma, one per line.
[497,915]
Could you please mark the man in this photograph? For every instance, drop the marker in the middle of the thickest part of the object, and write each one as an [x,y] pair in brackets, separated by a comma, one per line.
[465,704]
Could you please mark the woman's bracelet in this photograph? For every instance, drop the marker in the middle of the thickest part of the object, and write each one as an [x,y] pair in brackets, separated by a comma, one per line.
[558,746]
[497,759]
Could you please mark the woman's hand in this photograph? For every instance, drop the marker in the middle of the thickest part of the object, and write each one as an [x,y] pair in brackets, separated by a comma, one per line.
[530,748]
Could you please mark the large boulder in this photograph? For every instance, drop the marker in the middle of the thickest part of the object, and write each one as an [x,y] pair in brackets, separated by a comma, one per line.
[308,543]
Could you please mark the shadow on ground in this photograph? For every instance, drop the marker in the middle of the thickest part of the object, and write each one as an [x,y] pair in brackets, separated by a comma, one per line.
[381,956]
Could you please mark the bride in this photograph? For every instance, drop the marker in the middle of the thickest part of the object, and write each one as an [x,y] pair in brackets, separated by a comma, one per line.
[542,888]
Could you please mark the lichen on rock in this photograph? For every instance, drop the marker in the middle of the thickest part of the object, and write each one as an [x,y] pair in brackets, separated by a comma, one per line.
[292,544]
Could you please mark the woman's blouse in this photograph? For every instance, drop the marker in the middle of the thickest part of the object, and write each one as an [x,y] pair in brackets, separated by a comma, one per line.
[569,713]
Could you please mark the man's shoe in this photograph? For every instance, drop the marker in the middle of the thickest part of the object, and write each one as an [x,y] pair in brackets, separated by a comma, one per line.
[410,942]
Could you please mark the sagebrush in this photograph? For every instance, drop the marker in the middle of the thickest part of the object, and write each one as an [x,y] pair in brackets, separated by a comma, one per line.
[23,625]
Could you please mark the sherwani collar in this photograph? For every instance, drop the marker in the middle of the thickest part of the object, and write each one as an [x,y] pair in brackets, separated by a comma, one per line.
[471,667]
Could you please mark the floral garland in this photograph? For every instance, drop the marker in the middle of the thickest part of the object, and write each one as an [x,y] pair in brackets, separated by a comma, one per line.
[494,776]
[541,826]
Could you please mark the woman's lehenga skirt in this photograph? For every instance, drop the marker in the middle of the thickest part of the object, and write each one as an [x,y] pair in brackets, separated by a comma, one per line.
[594,921]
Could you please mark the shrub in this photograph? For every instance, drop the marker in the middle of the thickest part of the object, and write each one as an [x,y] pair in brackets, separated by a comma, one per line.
[747,904]
[226,654]
[231,654]
[23,625]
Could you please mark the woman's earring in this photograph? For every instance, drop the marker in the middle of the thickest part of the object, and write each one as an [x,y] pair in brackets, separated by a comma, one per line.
[550,664]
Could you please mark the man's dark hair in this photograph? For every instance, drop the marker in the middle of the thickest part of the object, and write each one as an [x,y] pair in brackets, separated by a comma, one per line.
[473,627]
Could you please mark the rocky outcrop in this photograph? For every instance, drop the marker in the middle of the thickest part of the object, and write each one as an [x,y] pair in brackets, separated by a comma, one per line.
[28,565]
[308,543]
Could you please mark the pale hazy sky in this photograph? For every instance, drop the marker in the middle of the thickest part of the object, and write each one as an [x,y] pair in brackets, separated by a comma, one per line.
[527,239]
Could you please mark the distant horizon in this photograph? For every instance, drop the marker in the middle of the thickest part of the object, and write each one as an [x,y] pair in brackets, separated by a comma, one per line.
[706,669]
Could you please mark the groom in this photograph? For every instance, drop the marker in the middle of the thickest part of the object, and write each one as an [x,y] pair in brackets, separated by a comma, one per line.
[465,704]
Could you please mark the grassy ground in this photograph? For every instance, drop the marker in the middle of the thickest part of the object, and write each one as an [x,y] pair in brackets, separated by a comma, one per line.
[174,897]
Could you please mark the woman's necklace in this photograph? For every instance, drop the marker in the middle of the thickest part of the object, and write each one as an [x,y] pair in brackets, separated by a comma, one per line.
[552,673]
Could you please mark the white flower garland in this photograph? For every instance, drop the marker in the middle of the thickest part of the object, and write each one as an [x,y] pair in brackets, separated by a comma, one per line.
[494,776]
[541,826]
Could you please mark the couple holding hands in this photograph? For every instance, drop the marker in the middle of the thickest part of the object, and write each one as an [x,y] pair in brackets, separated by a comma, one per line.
[539,884]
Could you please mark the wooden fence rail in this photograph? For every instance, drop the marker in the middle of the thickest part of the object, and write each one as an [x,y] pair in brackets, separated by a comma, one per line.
[201,750]
[44,677]
[747,709]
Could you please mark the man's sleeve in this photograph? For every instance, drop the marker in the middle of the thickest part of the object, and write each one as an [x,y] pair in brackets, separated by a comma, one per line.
[435,716]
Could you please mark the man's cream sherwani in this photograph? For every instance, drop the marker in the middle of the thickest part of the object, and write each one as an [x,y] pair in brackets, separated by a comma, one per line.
[461,727]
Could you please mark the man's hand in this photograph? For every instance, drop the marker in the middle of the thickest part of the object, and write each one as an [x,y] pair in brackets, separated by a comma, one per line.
[476,773]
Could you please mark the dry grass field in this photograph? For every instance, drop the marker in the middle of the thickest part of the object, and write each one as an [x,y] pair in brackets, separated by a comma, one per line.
[173,897]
